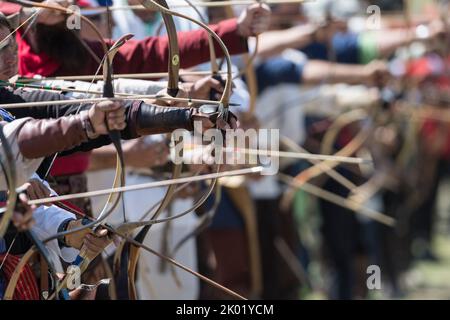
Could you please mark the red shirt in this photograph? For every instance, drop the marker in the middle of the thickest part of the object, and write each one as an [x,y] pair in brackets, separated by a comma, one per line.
[144,56]
[434,68]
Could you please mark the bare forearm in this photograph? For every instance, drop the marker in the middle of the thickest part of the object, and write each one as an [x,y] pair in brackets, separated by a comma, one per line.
[316,72]
[103,158]
[275,42]
[389,40]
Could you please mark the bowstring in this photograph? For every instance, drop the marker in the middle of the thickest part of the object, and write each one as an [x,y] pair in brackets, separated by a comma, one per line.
[110,32]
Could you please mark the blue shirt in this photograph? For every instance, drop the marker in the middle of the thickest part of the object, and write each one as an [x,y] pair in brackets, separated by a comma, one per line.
[278,70]
[344,44]
[6,116]
[227,216]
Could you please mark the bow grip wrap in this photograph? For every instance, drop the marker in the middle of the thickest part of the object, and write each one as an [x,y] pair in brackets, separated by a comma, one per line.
[80,257]
[150,119]
[222,110]
[114,135]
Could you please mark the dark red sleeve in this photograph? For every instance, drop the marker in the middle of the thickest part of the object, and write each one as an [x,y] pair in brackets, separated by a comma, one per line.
[151,54]
[8,8]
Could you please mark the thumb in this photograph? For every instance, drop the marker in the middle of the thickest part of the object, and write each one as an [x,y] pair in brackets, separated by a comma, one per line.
[102,233]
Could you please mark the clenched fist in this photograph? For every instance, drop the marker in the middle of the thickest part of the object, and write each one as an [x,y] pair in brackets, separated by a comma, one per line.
[107,112]
[254,20]
[23,214]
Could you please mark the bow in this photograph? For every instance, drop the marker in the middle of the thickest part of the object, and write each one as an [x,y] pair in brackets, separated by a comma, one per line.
[127,255]
[325,166]
[207,217]
[223,113]
[251,80]
[82,261]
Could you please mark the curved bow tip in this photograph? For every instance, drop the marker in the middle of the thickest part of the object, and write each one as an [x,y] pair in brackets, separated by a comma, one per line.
[121,41]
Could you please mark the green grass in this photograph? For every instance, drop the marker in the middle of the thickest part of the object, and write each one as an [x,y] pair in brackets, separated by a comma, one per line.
[431,280]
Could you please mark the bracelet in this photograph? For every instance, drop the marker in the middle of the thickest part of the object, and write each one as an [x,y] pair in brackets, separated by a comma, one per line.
[88,128]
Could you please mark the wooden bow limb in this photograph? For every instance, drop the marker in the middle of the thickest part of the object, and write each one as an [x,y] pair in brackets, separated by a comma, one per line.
[13,32]
[152,209]
[338,200]
[363,193]
[204,221]
[177,264]
[172,90]
[10,289]
[108,92]
[214,186]
[340,122]
[336,127]
[324,166]
[251,81]
[228,83]
[332,173]
[124,234]
[57,7]
[135,243]
[134,250]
